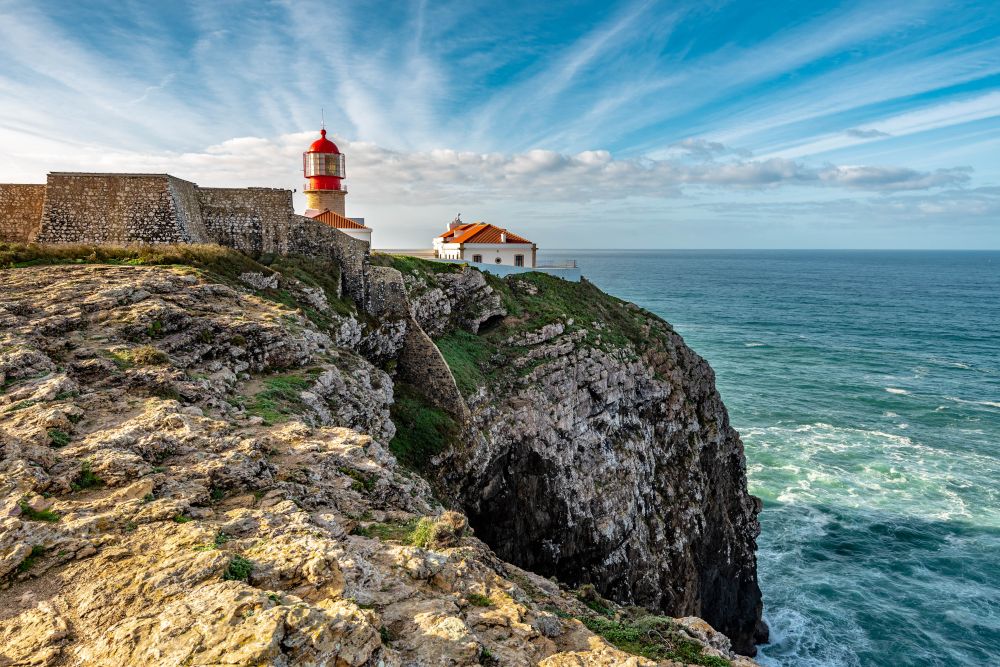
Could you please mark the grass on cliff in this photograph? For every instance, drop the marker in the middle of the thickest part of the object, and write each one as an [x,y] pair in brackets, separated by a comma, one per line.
[422,431]
[407,265]
[653,637]
[416,532]
[467,357]
[533,300]
[280,396]
[223,264]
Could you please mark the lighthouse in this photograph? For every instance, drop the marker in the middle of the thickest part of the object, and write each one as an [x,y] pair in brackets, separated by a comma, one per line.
[323,167]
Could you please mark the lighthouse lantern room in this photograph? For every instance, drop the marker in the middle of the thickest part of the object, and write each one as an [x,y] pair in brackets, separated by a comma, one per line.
[323,167]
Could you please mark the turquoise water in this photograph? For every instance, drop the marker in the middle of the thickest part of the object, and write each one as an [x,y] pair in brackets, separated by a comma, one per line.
[866,386]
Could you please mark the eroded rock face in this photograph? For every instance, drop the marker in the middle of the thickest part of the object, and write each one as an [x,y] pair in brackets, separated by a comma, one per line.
[192,475]
[599,460]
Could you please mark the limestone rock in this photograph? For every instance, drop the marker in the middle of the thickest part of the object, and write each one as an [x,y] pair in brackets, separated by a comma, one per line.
[208,480]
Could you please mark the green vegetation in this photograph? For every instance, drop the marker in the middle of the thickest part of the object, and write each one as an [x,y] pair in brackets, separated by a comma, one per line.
[146,355]
[422,431]
[416,533]
[220,263]
[180,518]
[467,356]
[20,405]
[315,272]
[216,494]
[47,516]
[653,637]
[361,481]
[37,551]
[216,259]
[58,438]
[486,657]
[86,479]
[533,300]
[220,539]
[479,600]
[239,569]
[408,265]
[155,329]
[422,533]
[280,397]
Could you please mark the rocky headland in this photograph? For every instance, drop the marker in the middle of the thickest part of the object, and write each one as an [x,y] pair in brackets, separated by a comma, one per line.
[207,459]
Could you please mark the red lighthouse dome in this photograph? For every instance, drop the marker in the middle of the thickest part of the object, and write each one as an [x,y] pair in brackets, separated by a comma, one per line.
[323,165]
[323,145]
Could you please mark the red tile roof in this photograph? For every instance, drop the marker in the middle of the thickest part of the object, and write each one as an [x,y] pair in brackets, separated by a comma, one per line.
[480,232]
[337,221]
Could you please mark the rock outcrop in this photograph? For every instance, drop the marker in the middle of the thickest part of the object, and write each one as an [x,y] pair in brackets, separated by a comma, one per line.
[599,450]
[195,468]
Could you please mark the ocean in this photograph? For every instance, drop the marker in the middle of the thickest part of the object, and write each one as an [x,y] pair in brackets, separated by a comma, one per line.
[866,387]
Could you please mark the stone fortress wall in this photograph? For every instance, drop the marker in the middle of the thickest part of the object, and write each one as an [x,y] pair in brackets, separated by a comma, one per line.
[120,209]
[124,209]
[21,211]
[128,209]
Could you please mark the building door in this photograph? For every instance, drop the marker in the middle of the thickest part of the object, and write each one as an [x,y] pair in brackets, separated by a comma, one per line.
[518,260]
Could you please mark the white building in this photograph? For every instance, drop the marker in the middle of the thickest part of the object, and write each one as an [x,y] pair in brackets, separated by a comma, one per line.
[483,243]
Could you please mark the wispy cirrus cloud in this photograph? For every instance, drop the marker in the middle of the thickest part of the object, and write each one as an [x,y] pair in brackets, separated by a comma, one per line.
[550,103]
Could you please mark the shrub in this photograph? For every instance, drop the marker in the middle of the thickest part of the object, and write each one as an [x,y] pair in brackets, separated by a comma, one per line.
[653,637]
[479,600]
[47,516]
[37,551]
[146,355]
[239,569]
[58,438]
[86,479]
[361,481]
[421,534]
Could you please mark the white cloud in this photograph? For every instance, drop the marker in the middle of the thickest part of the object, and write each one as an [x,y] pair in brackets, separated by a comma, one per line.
[441,175]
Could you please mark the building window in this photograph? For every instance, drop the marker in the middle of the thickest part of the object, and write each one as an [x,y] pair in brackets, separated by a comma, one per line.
[477,258]
[518,260]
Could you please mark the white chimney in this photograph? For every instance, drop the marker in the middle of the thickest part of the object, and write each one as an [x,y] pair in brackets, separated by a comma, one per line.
[503,237]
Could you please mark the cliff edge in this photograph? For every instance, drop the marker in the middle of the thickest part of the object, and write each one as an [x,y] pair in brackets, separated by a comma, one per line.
[205,459]
[598,448]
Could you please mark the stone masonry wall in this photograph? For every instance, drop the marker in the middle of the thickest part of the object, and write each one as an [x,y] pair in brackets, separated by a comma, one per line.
[188,208]
[119,209]
[252,220]
[20,211]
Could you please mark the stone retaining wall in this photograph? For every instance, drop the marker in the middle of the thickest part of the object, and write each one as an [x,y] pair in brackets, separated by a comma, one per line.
[20,211]
[120,209]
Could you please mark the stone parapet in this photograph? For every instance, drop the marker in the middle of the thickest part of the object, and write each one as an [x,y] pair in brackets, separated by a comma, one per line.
[21,211]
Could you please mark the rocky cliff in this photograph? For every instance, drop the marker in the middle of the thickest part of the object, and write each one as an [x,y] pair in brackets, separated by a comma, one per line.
[599,449]
[200,464]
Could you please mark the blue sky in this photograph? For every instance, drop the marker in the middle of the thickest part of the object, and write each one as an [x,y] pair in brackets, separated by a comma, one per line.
[591,125]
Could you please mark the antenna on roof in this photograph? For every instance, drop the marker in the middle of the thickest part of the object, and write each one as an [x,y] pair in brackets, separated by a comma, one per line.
[322,116]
